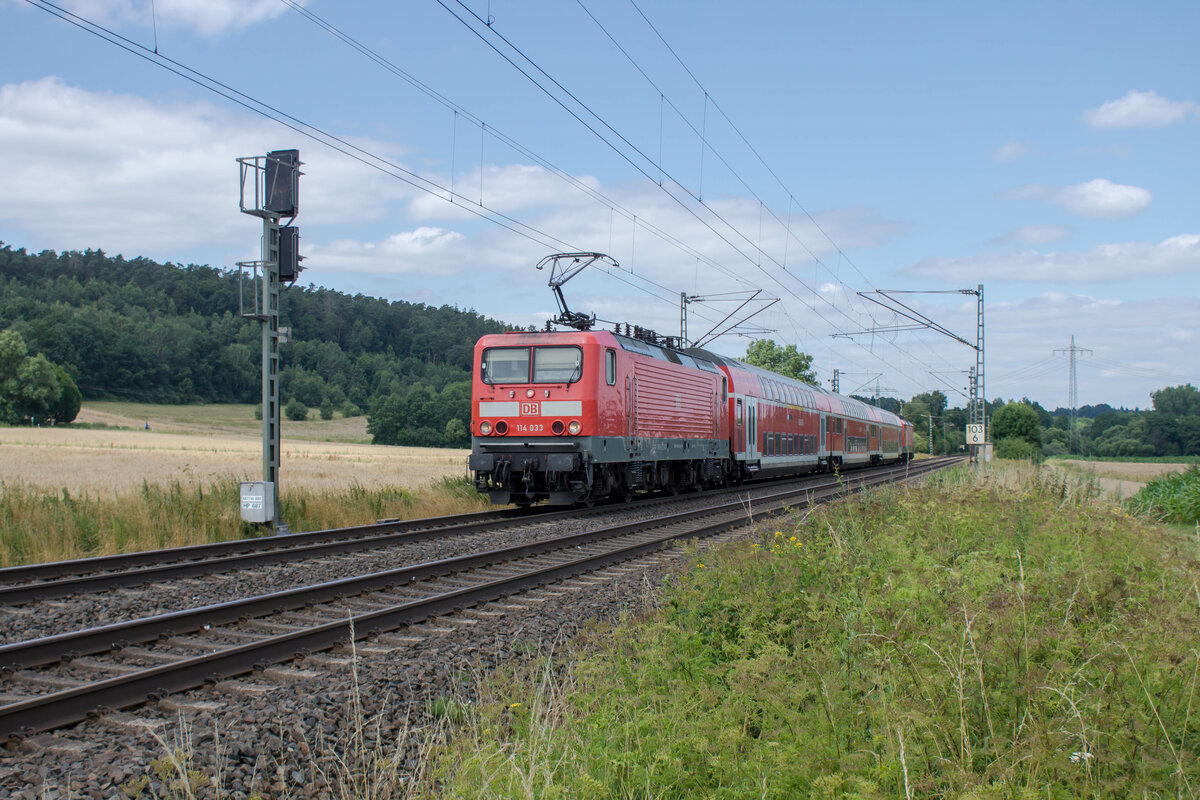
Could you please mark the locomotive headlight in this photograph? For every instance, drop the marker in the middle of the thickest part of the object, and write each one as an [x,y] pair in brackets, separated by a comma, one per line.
[485,428]
[573,428]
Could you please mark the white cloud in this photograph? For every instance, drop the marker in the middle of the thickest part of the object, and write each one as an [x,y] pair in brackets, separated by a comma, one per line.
[1177,255]
[1139,110]
[143,177]
[1099,198]
[425,249]
[1011,151]
[207,17]
[1022,336]
[98,169]
[1034,234]
[508,189]
[1105,199]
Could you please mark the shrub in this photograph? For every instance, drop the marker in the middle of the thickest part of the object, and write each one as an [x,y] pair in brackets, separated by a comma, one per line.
[295,410]
[1015,447]
[1171,498]
[326,409]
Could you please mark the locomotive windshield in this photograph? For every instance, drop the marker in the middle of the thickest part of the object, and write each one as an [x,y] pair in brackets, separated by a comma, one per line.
[550,365]
[557,364]
[506,365]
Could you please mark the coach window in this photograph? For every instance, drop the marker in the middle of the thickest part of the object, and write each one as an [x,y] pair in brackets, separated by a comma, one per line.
[610,366]
[739,411]
[506,365]
[557,364]
[725,392]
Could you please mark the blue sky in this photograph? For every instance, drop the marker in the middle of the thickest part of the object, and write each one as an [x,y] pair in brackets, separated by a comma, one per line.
[812,151]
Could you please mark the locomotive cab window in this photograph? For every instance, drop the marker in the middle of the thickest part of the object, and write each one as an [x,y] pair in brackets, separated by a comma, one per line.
[610,366]
[557,364]
[505,365]
[550,365]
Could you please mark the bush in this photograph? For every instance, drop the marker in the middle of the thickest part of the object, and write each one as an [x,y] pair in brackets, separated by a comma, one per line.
[295,410]
[326,409]
[350,410]
[1171,498]
[1015,447]
[956,640]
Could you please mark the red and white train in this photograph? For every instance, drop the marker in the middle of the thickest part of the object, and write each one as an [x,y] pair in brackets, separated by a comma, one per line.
[578,416]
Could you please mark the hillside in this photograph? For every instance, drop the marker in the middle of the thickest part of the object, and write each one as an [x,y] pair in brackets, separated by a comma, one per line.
[138,330]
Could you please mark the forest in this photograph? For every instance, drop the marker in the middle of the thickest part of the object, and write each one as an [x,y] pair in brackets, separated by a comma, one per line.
[1024,429]
[135,329]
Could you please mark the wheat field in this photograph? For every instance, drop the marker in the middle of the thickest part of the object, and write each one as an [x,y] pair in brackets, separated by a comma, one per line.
[204,446]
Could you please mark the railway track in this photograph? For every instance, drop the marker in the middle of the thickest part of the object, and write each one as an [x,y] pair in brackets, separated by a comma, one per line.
[57,680]
[58,579]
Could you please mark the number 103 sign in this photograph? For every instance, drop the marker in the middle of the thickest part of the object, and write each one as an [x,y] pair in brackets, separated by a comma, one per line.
[975,433]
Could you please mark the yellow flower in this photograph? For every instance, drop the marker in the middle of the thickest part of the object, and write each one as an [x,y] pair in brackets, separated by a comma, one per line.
[792,539]
[514,705]
[779,533]
[699,566]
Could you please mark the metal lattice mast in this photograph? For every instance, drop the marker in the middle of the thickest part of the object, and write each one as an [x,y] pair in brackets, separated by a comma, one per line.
[1072,388]
[270,190]
[915,320]
[981,410]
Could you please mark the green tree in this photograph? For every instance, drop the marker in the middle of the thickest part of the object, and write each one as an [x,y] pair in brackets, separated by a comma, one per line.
[783,360]
[12,355]
[456,434]
[38,388]
[386,420]
[1177,401]
[66,407]
[935,401]
[326,409]
[1017,420]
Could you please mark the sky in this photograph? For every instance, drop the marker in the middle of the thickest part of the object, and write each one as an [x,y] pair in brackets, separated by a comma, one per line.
[811,152]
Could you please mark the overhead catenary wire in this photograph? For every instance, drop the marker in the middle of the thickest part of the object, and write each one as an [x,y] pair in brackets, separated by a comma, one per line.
[309,131]
[644,168]
[314,133]
[517,146]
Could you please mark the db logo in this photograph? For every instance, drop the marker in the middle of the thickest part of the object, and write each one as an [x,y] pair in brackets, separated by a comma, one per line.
[529,410]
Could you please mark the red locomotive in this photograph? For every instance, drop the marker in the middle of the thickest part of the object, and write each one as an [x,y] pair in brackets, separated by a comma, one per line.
[576,416]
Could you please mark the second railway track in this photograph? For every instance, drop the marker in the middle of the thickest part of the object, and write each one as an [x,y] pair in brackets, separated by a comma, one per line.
[60,679]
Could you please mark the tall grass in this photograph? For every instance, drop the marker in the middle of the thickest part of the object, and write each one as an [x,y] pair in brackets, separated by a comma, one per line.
[1171,498]
[38,526]
[1006,637]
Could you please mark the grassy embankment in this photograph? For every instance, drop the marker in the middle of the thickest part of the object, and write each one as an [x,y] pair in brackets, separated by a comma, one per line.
[1012,637]
[37,526]
[113,486]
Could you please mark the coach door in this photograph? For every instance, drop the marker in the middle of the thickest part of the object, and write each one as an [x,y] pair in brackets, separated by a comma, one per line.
[739,426]
[751,427]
